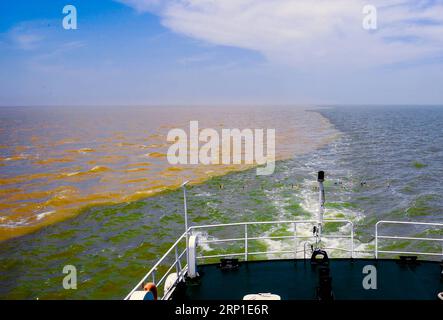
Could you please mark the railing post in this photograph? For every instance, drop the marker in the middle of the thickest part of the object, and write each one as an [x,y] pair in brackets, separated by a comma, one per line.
[177,263]
[376,240]
[246,242]
[352,240]
[185,205]
[295,240]
[153,276]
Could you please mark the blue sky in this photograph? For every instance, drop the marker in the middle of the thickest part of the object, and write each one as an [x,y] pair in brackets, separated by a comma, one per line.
[142,52]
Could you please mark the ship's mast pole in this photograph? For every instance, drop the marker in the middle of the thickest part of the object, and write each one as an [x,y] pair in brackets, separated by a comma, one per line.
[321,200]
[185,204]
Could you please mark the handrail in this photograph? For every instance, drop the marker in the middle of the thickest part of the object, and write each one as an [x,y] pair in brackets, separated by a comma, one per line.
[154,268]
[246,238]
[377,237]
[246,253]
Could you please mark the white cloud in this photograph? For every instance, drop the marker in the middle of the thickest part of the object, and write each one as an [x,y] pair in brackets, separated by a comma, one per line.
[143,5]
[29,35]
[307,33]
[24,38]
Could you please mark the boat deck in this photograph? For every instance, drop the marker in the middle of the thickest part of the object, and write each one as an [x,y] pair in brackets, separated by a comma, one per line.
[298,280]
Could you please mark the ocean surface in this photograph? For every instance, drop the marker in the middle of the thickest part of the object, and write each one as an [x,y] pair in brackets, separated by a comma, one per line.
[381,163]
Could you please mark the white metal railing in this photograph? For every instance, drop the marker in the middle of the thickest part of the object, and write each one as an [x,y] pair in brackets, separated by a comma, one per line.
[246,238]
[377,237]
[181,271]
[246,253]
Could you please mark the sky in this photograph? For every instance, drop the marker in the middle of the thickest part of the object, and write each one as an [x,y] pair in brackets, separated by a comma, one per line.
[155,52]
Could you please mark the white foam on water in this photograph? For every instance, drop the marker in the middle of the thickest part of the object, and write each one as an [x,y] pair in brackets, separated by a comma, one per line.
[310,204]
[288,244]
[44,214]
[203,236]
[205,194]
[14,224]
